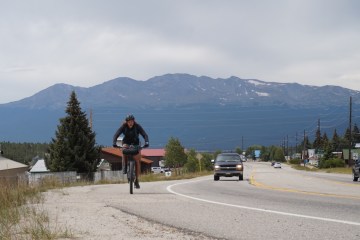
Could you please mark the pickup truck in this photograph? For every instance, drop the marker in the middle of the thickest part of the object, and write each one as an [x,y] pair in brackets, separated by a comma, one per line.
[228,165]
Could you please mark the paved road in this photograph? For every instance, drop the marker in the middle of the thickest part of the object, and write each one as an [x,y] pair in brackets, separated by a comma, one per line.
[269,204]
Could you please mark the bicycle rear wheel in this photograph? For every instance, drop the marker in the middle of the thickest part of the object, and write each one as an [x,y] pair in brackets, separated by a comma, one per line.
[131,175]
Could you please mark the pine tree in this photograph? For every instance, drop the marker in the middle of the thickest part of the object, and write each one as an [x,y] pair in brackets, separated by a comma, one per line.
[356,134]
[73,148]
[324,141]
[347,136]
[327,151]
[317,142]
[335,142]
[307,143]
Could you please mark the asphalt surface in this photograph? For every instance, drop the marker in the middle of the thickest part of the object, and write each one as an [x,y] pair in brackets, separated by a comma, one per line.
[269,204]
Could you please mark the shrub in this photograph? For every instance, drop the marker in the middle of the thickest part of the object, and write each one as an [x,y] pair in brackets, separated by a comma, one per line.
[295,161]
[331,163]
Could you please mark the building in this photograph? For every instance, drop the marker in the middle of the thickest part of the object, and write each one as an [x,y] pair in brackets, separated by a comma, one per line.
[149,158]
[11,171]
[355,153]
[39,167]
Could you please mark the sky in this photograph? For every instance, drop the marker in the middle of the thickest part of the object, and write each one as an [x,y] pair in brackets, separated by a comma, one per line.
[87,42]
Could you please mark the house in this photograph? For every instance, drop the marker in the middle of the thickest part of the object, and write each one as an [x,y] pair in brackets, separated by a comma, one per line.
[149,158]
[154,154]
[38,171]
[355,153]
[11,171]
[103,165]
[39,167]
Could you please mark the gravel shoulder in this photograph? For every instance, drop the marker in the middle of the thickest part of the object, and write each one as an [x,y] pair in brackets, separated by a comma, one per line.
[84,212]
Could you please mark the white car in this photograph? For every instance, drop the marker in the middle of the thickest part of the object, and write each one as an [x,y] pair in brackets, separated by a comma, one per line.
[277,165]
[157,170]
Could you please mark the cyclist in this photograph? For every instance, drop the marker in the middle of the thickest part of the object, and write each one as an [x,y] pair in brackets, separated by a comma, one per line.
[131,130]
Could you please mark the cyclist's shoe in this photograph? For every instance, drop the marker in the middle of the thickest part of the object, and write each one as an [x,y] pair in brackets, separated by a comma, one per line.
[137,185]
[124,170]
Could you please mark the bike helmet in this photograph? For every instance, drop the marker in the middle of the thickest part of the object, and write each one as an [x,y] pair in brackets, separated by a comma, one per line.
[129,117]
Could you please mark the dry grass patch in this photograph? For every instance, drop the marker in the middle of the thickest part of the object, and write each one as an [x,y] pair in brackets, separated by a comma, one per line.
[21,216]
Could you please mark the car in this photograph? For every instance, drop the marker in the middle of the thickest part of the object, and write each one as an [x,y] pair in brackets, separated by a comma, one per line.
[356,170]
[228,165]
[277,165]
[157,170]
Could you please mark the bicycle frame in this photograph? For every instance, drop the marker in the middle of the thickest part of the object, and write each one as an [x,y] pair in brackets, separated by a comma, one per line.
[131,176]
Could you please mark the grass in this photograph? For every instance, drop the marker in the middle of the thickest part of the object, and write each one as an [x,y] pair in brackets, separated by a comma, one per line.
[342,170]
[21,216]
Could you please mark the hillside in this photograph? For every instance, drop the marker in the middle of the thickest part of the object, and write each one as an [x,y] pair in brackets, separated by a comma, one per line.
[204,113]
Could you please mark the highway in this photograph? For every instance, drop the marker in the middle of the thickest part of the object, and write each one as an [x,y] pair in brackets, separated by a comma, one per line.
[269,204]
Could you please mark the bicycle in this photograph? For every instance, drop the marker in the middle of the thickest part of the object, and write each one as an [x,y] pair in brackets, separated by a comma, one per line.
[129,152]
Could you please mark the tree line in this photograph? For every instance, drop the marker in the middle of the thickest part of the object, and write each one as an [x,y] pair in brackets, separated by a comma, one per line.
[23,152]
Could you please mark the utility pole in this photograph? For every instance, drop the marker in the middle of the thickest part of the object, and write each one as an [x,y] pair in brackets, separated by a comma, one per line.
[284,145]
[350,161]
[304,148]
[287,145]
[296,139]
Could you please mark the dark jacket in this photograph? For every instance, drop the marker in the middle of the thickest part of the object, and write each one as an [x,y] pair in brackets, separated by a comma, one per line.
[131,135]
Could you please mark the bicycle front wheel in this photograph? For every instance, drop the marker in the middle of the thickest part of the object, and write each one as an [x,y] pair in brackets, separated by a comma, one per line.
[132,175]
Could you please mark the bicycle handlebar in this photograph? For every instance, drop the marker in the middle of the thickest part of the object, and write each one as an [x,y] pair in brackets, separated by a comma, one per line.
[140,147]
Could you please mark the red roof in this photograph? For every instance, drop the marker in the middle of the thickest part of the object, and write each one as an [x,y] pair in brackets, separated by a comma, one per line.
[147,152]
[112,151]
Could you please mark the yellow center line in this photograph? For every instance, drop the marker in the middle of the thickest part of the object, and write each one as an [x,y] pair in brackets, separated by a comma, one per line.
[264,186]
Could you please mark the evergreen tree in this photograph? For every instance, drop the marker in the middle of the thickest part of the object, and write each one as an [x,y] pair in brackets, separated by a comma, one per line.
[317,142]
[335,142]
[24,152]
[307,144]
[356,134]
[324,141]
[327,151]
[73,148]
[347,136]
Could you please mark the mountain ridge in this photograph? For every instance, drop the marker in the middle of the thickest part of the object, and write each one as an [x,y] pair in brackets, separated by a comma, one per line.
[184,89]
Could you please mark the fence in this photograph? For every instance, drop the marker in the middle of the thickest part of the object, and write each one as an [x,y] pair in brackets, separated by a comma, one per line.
[61,177]
[66,177]
[112,176]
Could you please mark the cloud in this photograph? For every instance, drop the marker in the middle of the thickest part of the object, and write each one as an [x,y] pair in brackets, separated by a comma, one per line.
[86,42]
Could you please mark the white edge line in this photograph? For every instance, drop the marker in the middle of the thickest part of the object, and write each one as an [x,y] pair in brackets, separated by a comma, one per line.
[169,189]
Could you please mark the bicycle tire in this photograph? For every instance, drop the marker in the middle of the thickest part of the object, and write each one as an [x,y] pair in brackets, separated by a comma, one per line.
[132,177]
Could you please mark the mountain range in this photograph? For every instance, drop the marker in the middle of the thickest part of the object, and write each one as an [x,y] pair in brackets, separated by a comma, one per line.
[178,90]
[201,111]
